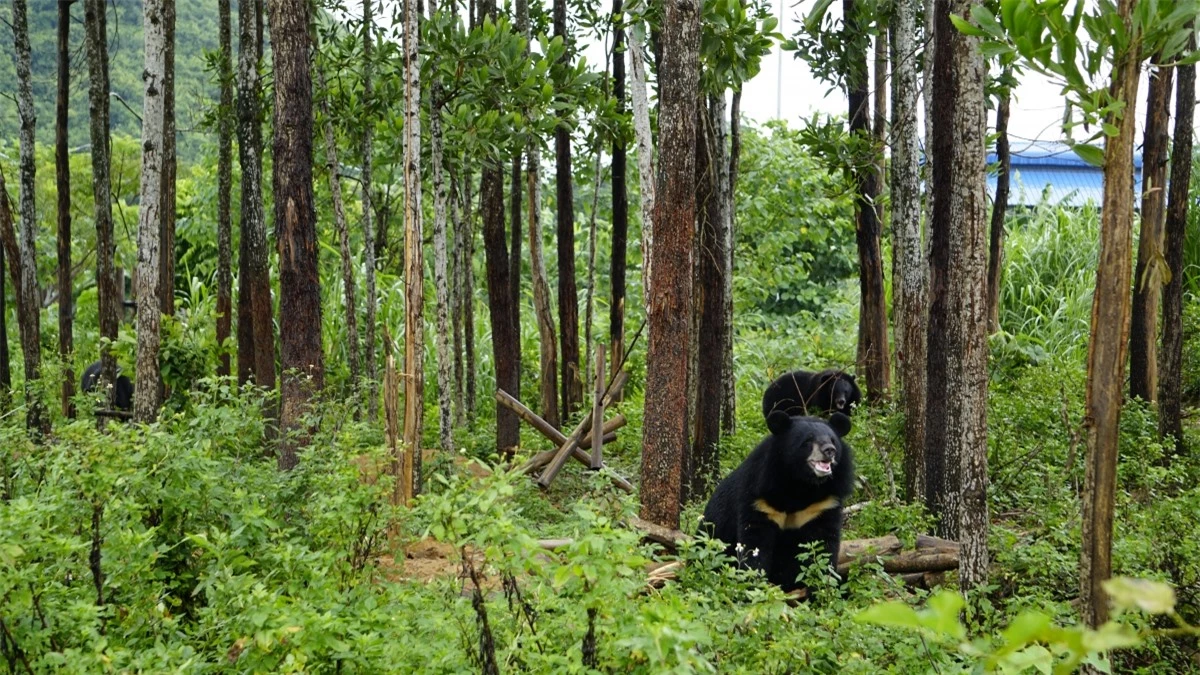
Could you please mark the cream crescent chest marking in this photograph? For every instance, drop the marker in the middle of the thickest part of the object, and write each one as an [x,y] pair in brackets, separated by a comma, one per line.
[795,520]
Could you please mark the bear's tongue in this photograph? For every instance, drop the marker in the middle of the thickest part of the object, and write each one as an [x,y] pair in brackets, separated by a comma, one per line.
[823,467]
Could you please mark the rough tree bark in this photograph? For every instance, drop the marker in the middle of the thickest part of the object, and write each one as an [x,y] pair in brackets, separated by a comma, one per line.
[301,358]
[224,187]
[872,338]
[956,403]
[27,321]
[1149,273]
[645,155]
[466,253]
[441,255]
[414,277]
[5,368]
[107,295]
[703,464]
[1170,419]
[369,248]
[999,210]
[620,199]
[166,237]
[62,182]
[1109,338]
[255,330]
[664,434]
[729,386]
[343,231]
[910,275]
[456,300]
[29,307]
[514,255]
[568,296]
[147,395]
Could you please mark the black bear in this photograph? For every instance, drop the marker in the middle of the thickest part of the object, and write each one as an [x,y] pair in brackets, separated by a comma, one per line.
[789,491]
[123,388]
[801,392]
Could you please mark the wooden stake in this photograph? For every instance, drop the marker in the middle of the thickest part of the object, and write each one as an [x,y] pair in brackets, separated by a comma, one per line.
[560,458]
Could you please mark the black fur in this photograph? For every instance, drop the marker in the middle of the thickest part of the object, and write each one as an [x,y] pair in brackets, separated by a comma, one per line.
[123,388]
[801,392]
[778,473]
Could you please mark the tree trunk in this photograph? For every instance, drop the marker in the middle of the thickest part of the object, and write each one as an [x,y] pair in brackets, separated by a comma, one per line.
[956,404]
[457,304]
[514,256]
[620,199]
[343,231]
[664,434]
[999,209]
[166,237]
[107,295]
[369,243]
[1170,420]
[504,339]
[147,394]
[872,337]
[1149,275]
[62,178]
[590,294]
[301,357]
[466,251]
[441,266]
[703,467]
[910,276]
[414,277]
[645,155]
[256,330]
[879,92]
[224,188]
[5,368]
[568,296]
[36,417]
[729,386]
[1109,337]
[541,298]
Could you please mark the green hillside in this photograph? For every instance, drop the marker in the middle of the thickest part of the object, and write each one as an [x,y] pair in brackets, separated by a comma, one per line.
[196,34]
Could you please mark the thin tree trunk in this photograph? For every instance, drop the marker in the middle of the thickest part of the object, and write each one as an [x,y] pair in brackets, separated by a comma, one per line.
[441,266]
[703,462]
[664,434]
[5,368]
[910,277]
[108,295]
[879,108]
[999,210]
[1109,338]
[369,242]
[1149,275]
[301,357]
[414,277]
[457,301]
[729,386]
[147,395]
[620,199]
[956,404]
[504,340]
[225,188]
[256,330]
[872,338]
[1170,419]
[590,295]
[568,295]
[467,252]
[343,231]
[514,256]
[541,299]
[645,155]
[36,417]
[62,178]
[166,281]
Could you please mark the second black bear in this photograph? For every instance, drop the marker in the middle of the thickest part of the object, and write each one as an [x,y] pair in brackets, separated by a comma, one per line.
[789,491]
[801,392]
[123,388]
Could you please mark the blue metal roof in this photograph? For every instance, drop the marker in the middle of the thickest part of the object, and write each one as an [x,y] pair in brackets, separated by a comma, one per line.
[1054,170]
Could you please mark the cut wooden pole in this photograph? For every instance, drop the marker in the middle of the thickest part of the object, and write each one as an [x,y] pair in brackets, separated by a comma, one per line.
[541,459]
[598,409]
[546,429]
[560,458]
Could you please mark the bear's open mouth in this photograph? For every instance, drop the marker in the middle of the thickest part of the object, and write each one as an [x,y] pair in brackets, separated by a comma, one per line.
[821,468]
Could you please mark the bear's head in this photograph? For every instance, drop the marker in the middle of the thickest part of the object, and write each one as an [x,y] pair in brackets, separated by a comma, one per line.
[843,392]
[808,447]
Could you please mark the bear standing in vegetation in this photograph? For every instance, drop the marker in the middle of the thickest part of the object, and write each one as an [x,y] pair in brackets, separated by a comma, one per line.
[789,491]
[122,397]
[801,392]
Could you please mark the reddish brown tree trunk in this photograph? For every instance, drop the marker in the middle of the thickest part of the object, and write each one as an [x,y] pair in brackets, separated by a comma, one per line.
[62,176]
[999,209]
[301,357]
[620,200]
[1149,275]
[664,433]
[224,188]
[1170,420]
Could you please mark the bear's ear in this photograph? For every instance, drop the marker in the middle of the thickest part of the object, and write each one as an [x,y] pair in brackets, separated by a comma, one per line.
[840,424]
[779,421]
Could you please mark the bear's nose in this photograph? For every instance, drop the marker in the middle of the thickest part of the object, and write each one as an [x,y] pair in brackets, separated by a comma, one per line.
[829,450]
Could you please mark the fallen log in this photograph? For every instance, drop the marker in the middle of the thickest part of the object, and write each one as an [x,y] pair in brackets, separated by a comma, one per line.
[853,549]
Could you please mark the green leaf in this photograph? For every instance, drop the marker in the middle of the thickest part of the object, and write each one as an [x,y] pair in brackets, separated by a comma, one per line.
[965,27]
[1089,153]
[1152,597]
[890,614]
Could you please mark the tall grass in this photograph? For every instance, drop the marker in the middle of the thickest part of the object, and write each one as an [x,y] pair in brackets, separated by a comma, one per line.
[1049,277]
